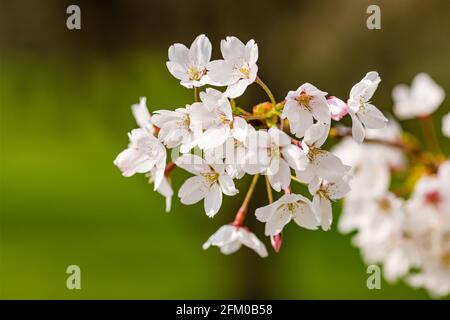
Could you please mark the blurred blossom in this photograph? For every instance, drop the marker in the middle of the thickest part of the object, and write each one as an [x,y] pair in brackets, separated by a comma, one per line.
[420,100]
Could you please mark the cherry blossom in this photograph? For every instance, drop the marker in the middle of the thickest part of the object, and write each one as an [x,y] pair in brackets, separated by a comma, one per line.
[209,182]
[304,104]
[362,112]
[238,68]
[282,211]
[230,238]
[420,100]
[190,65]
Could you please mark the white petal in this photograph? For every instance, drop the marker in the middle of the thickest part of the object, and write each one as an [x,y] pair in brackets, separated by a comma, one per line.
[322,208]
[304,122]
[329,167]
[192,163]
[237,89]
[279,174]
[372,117]
[320,110]
[227,185]
[200,51]
[213,201]
[232,48]
[214,137]
[278,137]
[141,114]
[305,217]
[250,240]
[305,175]
[221,72]
[263,214]
[193,190]
[358,132]
[295,157]
[277,222]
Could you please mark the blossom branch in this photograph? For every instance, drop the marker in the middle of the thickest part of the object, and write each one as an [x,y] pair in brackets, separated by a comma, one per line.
[267,90]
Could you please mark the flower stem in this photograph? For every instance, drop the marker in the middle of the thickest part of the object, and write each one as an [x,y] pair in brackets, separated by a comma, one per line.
[267,90]
[430,133]
[196,94]
[294,178]
[242,212]
[169,167]
[269,190]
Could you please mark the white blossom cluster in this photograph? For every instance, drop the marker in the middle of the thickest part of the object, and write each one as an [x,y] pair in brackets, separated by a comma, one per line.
[403,226]
[218,143]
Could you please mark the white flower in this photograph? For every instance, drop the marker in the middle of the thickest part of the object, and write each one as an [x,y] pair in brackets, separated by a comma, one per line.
[214,116]
[230,238]
[446,125]
[304,104]
[209,182]
[144,153]
[275,154]
[362,112]
[338,108]
[420,100]
[238,68]
[324,192]
[235,149]
[176,128]
[320,163]
[190,65]
[280,213]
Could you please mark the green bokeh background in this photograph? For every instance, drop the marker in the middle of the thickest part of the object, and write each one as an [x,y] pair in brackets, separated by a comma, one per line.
[65,111]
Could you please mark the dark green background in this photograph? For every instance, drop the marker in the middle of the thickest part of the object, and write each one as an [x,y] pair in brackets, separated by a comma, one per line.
[65,112]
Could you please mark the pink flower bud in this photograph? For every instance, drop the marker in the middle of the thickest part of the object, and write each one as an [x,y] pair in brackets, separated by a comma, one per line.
[338,108]
[276,241]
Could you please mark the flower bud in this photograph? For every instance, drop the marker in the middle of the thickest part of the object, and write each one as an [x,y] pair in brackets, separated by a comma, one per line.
[338,108]
[276,241]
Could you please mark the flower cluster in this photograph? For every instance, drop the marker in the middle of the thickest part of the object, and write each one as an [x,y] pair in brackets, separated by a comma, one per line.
[399,202]
[220,142]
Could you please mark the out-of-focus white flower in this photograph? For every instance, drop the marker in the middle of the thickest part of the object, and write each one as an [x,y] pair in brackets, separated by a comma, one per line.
[362,112]
[238,68]
[190,65]
[324,192]
[355,154]
[280,213]
[446,125]
[230,238]
[214,116]
[272,151]
[209,182]
[176,128]
[338,108]
[431,197]
[420,100]
[304,104]
[321,163]
[369,183]
[434,275]
[144,153]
